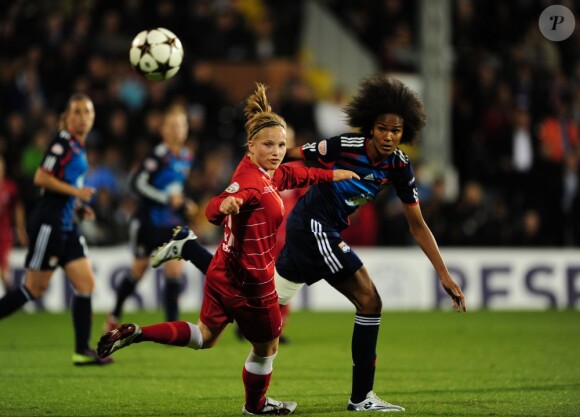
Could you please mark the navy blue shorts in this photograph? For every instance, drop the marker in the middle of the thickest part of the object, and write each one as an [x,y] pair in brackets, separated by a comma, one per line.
[144,237]
[50,247]
[319,253]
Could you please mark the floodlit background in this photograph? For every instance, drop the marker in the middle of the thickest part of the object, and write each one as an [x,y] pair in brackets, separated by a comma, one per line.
[497,165]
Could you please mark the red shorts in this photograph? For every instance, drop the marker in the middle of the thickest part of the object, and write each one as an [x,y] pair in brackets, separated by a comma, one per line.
[5,248]
[259,319]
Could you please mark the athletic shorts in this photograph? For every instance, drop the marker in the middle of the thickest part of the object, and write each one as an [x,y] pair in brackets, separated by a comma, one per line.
[50,247]
[319,253]
[259,319]
[5,248]
[144,237]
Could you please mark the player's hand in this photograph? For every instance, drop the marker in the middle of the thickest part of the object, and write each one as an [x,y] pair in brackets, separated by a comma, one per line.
[84,212]
[344,174]
[176,201]
[231,205]
[454,291]
[190,208]
[85,193]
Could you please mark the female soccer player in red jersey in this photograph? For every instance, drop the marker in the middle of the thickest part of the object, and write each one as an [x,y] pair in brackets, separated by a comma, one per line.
[240,280]
[12,217]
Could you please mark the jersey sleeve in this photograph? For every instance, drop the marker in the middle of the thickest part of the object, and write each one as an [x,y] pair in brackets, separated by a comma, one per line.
[142,184]
[405,185]
[241,187]
[56,156]
[325,152]
[289,176]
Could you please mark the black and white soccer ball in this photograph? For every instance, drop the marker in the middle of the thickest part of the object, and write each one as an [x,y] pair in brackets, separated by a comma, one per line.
[156,54]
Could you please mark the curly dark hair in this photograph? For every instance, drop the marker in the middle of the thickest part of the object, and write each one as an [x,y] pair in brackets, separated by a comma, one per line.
[381,94]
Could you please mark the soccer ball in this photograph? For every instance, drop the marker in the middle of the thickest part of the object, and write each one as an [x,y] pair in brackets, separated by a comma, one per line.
[156,54]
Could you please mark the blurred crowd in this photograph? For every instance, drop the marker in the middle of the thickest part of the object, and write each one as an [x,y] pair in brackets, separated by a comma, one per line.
[515,102]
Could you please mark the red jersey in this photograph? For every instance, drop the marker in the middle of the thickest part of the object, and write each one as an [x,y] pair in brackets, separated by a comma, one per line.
[9,199]
[248,250]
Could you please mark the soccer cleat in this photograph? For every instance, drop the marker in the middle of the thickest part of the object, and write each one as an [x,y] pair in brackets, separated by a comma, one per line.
[89,357]
[111,323]
[118,339]
[172,249]
[373,403]
[273,408]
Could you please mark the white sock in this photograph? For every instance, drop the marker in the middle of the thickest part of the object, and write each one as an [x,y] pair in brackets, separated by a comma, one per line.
[196,338]
[259,365]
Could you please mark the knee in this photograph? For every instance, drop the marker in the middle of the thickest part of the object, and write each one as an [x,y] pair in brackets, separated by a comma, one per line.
[85,286]
[36,290]
[209,338]
[370,303]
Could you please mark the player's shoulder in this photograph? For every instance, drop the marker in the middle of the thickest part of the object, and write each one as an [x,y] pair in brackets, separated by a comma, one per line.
[60,143]
[244,181]
[347,140]
[400,158]
[351,136]
[160,150]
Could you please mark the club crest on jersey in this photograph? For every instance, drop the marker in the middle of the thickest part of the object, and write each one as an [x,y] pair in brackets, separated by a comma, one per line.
[344,247]
[322,147]
[150,164]
[233,187]
[57,149]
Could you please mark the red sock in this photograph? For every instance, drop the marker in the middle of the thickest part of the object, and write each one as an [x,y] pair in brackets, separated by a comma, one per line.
[256,387]
[176,333]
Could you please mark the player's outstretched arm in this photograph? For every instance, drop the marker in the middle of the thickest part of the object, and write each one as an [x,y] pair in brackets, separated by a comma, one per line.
[344,174]
[426,241]
[50,182]
[454,291]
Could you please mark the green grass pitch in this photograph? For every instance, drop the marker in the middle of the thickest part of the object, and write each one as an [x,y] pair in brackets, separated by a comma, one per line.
[433,363]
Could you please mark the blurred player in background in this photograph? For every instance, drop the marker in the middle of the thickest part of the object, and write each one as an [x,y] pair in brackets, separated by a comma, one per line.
[53,227]
[387,114]
[240,280]
[12,223]
[159,182]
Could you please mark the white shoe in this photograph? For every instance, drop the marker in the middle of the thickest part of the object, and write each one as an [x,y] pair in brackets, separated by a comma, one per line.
[273,407]
[172,249]
[117,339]
[373,403]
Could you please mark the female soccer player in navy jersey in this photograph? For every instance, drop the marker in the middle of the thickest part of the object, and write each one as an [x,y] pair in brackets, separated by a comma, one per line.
[159,182]
[387,114]
[240,280]
[53,231]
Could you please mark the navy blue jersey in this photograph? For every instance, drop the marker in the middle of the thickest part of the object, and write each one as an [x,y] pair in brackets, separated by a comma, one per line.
[160,175]
[332,203]
[66,160]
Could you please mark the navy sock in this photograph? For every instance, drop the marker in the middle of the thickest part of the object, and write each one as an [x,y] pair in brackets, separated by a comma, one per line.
[14,300]
[364,354]
[125,289]
[171,298]
[82,315]
[195,253]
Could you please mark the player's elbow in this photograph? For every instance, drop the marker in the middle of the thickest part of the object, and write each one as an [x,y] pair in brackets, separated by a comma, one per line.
[40,178]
